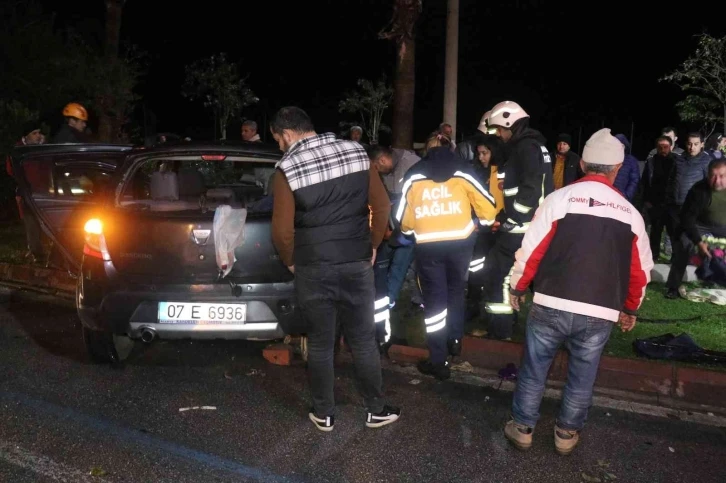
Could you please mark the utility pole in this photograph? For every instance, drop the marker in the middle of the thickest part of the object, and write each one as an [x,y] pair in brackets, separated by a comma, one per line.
[452,64]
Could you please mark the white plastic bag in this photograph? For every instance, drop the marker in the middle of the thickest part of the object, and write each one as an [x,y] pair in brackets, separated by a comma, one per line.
[229,233]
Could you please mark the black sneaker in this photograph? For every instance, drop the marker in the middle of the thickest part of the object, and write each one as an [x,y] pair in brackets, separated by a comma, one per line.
[388,415]
[440,371]
[323,424]
[672,294]
[454,347]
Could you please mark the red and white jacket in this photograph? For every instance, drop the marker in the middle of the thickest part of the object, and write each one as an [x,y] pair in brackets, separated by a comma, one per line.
[586,252]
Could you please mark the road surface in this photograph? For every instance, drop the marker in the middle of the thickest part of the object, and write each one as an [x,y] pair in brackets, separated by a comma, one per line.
[63,419]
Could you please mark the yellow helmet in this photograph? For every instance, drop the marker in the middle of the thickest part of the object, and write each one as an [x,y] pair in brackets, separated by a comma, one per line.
[75,110]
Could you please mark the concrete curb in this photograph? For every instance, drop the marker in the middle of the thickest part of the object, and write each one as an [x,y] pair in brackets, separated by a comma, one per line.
[667,383]
[602,398]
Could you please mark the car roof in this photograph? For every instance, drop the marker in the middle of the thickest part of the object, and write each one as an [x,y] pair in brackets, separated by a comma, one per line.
[269,151]
[227,147]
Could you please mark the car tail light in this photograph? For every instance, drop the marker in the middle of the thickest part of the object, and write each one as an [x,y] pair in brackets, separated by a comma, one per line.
[95,245]
[214,157]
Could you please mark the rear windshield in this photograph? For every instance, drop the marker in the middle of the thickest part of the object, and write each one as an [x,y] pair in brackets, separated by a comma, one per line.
[190,185]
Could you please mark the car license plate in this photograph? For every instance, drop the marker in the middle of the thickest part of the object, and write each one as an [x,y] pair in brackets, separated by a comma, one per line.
[201,313]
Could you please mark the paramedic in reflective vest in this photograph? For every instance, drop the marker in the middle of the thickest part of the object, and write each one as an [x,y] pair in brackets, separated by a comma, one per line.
[490,160]
[325,191]
[436,203]
[527,181]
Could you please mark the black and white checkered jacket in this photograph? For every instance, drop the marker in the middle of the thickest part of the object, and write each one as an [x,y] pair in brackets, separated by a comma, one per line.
[330,181]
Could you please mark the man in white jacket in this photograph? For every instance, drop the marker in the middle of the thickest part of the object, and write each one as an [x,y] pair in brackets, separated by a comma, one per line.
[588,257]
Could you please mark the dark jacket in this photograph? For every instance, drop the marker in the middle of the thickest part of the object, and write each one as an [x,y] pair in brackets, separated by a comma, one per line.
[67,134]
[655,178]
[572,168]
[629,174]
[695,212]
[686,172]
[527,176]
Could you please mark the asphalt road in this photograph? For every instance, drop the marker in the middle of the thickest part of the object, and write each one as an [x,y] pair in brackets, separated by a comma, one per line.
[63,419]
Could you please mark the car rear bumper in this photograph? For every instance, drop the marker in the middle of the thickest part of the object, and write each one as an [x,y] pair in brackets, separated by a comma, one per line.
[262,323]
[102,305]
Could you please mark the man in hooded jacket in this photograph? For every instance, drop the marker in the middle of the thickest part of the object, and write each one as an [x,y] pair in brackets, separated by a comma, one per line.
[527,180]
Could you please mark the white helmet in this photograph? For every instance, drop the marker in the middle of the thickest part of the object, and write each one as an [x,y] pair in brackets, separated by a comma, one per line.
[506,113]
[484,123]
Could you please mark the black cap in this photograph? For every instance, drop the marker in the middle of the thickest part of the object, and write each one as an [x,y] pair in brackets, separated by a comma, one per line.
[30,126]
[564,138]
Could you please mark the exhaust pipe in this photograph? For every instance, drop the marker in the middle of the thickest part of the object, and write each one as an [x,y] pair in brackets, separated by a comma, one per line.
[148,335]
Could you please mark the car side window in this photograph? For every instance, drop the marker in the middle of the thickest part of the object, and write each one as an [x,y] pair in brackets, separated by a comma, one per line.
[81,182]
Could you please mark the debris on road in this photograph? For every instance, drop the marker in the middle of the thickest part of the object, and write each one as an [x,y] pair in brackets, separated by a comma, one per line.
[210,408]
[97,471]
[462,367]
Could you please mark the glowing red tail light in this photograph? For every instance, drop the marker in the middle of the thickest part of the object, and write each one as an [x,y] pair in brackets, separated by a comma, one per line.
[95,245]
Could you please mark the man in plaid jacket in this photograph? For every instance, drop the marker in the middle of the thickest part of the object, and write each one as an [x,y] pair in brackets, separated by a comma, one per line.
[325,189]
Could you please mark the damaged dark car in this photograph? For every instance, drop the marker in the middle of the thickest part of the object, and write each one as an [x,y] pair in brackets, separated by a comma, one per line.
[168,242]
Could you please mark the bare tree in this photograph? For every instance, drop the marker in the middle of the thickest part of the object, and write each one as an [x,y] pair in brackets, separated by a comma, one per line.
[369,101]
[703,75]
[401,30]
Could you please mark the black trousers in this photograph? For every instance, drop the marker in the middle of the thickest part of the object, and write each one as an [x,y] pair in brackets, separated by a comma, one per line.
[498,266]
[666,216]
[32,232]
[442,271]
[485,240]
[327,294]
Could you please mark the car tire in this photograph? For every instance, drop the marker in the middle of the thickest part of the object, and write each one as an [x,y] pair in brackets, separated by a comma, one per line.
[107,348]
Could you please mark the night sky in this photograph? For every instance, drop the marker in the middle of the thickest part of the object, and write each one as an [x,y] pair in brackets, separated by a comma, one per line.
[570,66]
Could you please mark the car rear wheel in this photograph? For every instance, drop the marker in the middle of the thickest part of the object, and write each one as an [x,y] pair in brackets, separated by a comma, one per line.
[106,347]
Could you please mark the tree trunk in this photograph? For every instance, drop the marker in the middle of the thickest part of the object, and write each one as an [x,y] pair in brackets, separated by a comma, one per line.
[223,129]
[402,31]
[452,65]
[114,12]
[109,126]
[404,90]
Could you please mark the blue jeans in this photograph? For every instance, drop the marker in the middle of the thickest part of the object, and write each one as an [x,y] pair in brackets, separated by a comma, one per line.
[585,337]
[400,261]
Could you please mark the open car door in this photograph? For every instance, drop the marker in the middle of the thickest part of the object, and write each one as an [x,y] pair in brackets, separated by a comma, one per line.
[62,186]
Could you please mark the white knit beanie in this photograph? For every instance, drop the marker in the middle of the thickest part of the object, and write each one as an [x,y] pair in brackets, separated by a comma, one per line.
[603,148]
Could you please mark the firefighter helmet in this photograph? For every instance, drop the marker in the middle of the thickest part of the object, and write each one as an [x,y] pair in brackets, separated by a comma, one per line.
[506,113]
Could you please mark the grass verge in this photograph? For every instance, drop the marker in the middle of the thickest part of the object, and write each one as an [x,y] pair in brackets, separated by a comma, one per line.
[709,331]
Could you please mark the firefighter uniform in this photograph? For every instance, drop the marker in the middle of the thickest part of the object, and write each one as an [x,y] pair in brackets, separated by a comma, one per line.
[527,181]
[486,237]
[435,207]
